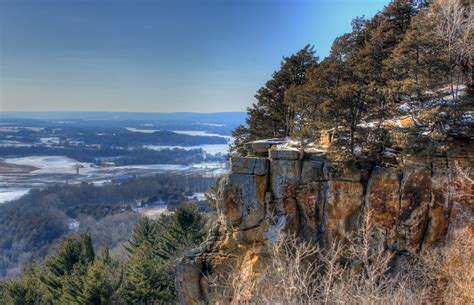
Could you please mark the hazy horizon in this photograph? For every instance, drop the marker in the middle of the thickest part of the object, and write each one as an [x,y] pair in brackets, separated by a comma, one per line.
[156,56]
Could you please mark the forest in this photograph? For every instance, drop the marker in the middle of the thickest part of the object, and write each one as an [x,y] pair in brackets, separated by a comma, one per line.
[415,56]
[117,155]
[32,225]
[78,274]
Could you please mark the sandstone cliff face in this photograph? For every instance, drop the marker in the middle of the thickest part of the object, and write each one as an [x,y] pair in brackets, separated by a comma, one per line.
[414,205]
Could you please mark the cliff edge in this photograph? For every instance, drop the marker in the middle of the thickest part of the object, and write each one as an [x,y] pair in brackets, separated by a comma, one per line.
[415,202]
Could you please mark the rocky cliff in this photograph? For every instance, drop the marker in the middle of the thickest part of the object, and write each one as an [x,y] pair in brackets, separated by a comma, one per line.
[415,202]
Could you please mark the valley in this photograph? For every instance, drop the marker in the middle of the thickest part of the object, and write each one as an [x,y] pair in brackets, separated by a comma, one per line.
[45,152]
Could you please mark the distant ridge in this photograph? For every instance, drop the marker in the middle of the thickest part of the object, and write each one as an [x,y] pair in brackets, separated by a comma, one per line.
[230,118]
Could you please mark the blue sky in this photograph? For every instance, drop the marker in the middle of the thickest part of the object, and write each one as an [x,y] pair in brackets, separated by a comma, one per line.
[160,56]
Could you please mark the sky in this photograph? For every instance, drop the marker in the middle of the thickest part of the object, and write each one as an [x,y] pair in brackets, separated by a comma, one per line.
[157,56]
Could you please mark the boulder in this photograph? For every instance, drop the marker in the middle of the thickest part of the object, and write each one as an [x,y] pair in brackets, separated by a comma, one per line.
[325,138]
[261,147]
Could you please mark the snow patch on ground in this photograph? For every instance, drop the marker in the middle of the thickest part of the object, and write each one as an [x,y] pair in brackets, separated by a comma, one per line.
[132,129]
[50,140]
[214,125]
[198,196]
[468,117]
[8,143]
[200,133]
[73,225]
[50,164]
[11,194]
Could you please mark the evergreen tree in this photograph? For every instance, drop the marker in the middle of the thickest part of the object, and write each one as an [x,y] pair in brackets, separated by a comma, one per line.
[271,117]
[143,232]
[28,290]
[155,245]
[145,281]
[64,270]
[97,287]
[419,62]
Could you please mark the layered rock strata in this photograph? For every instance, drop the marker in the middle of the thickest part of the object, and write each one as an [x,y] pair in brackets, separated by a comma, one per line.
[414,205]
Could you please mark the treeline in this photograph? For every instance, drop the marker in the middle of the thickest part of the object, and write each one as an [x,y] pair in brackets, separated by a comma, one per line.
[76,274]
[404,54]
[118,156]
[113,137]
[30,225]
[125,138]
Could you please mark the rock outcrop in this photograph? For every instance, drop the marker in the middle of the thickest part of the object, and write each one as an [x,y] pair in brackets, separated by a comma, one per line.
[414,203]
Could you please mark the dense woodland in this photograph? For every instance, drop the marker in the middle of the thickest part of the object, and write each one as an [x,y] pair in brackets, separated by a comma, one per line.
[31,225]
[116,155]
[109,137]
[76,274]
[404,54]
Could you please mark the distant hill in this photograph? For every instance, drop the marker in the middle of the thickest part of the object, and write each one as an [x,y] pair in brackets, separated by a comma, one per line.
[228,118]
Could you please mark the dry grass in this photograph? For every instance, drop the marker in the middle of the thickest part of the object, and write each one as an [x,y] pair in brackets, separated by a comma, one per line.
[358,271]
[449,271]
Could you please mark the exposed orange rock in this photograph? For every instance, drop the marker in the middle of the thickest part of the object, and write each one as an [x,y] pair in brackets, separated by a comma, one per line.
[342,205]
[383,198]
[414,205]
[407,122]
[415,196]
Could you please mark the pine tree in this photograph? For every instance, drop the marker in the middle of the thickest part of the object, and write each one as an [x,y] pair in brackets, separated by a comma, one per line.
[381,35]
[419,63]
[143,232]
[64,270]
[97,287]
[271,117]
[145,281]
[154,247]
[28,290]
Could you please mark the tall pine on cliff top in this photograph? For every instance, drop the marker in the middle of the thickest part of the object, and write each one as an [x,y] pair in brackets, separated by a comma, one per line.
[419,62]
[271,117]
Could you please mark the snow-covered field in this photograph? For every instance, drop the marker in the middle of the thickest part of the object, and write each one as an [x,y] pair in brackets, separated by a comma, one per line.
[52,170]
[200,133]
[132,129]
[50,164]
[185,132]
[212,149]
[8,143]
[11,194]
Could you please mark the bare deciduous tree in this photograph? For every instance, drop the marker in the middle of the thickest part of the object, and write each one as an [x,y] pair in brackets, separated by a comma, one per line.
[457,30]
